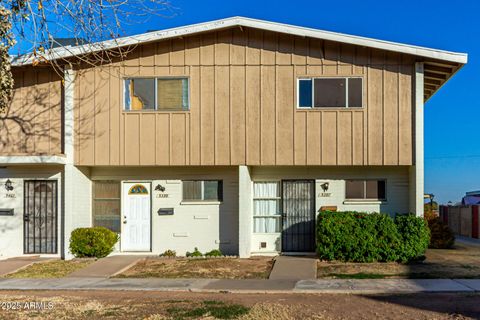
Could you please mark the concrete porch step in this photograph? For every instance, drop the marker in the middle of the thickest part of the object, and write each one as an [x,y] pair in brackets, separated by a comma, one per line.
[294,268]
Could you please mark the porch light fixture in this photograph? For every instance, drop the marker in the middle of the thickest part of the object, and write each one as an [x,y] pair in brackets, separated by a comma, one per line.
[325,186]
[8,185]
[160,188]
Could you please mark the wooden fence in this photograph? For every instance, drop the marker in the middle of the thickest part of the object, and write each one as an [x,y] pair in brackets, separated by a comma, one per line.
[463,220]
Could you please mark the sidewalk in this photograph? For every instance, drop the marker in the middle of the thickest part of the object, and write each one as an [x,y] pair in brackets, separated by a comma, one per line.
[107,267]
[363,286]
[15,264]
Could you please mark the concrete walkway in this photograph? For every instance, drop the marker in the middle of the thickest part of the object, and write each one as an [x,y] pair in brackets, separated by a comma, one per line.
[14,264]
[294,268]
[467,241]
[107,267]
[360,286]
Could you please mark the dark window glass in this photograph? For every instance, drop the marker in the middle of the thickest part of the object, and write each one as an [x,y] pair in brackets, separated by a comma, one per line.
[106,205]
[355,93]
[140,94]
[355,189]
[382,190]
[305,93]
[330,92]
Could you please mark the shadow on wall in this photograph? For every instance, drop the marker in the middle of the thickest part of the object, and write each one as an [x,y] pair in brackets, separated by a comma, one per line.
[33,122]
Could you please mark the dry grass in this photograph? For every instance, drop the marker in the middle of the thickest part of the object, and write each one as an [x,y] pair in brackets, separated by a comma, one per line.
[218,268]
[461,262]
[51,269]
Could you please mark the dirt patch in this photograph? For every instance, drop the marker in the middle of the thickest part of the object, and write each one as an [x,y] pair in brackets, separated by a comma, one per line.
[182,305]
[218,268]
[51,269]
[461,262]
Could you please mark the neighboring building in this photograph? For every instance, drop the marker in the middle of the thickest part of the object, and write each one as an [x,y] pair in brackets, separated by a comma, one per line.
[229,134]
[471,198]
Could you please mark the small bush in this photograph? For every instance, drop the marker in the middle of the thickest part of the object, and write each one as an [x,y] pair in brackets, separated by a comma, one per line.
[362,237]
[95,242]
[441,236]
[214,253]
[195,253]
[169,253]
[415,237]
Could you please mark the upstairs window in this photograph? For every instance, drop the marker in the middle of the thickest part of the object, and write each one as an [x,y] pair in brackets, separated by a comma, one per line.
[330,93]
[162,94]
[366,190]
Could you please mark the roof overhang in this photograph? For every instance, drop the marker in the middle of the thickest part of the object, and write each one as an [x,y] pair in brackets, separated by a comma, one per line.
[440,65]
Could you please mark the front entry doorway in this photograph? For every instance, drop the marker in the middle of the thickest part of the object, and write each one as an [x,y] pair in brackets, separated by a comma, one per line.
[136,217]
[40,217]
[298,231]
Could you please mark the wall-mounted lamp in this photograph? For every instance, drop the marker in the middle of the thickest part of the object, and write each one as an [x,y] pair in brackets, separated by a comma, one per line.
[160,188]
[8,185]
[325,186]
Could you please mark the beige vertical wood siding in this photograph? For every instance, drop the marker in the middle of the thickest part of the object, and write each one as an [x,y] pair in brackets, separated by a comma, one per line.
[32,125]
[243,105]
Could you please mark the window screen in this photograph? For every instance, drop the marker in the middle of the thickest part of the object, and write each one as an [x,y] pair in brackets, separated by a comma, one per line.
[106,205]
[365,189]
[355,189]
[330,92]
[199,190]
[156,94]
[355,92]
[172,94]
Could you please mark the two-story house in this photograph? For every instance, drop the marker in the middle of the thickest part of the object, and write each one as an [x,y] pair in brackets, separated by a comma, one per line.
[229,134]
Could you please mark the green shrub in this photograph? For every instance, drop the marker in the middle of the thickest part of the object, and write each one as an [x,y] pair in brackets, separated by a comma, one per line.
[169,253]
[95,242]
[195,253]
[362,237]
[441,236]
[415,237]
[214,253]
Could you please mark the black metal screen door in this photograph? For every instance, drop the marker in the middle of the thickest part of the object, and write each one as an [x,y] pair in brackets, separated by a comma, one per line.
[40,217]
[298,234]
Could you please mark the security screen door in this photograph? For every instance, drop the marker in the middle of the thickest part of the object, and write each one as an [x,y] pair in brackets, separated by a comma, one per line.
[40,217]
[298,233]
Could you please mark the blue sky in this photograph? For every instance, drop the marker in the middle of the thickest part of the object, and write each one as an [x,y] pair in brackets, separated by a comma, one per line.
[452,116]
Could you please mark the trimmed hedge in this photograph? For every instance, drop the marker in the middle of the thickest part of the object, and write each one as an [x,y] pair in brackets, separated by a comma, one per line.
[95,242]
[362,237]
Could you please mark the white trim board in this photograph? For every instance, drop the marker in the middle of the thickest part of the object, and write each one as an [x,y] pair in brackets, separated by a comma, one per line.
[32,160]
[71,51]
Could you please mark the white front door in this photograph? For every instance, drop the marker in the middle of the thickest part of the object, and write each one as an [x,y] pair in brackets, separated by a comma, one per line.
[136,217]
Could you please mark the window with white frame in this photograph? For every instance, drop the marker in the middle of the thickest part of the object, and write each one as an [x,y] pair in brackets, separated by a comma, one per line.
[338,92]
[366,190]
[267,207]
[161,94]
[202,190]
